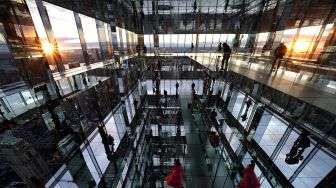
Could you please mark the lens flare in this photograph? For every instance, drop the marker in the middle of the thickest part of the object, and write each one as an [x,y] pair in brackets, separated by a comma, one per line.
[301,46]
[47,48]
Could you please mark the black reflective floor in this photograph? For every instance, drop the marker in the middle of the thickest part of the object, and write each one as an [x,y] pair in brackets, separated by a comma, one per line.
[203,165]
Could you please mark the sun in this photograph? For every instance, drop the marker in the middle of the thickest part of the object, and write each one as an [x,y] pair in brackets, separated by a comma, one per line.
[47,48]
[301,46]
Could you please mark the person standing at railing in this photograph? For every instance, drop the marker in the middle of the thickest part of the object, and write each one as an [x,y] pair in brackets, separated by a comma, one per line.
[279,53]
[226,55]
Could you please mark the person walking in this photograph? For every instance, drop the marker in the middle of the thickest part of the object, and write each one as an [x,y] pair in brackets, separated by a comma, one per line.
[226,55]
[279,53]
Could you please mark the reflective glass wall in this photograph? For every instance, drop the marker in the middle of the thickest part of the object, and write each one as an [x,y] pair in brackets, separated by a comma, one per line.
[86,40]
[273,144]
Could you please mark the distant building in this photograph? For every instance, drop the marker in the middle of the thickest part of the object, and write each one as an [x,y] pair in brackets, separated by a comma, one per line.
[23,158]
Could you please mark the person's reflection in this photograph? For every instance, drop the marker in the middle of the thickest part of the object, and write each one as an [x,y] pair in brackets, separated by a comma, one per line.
[248,104]
[249,180]
[300,144]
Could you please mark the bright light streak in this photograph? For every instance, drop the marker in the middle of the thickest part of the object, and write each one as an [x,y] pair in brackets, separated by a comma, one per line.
[47,48]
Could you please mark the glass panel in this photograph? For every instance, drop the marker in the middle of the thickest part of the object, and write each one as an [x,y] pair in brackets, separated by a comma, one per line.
[226,90]
[68,42]
[269,132]
[234,143]
[289,165]
[322,41]
[124,39]
[243,40]
[246,160]
[287,38]
[103,41]
[246,112]
[317,168]
[148,41]
[120,123]
[238,104]
[90,164]
[128,110]
[67,181]
[91,38]
[64,84]
[16,103]
[226,130]
[303,44]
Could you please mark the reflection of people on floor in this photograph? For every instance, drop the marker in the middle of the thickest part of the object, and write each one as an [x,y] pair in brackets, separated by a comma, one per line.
[178,131]
[165,103]
[214,139]
[248,104]
[214,117]
[175,177]
[179,117]
[177,86]
[194,95]
[165,93]
[300,144]
[250,179]
[135,102]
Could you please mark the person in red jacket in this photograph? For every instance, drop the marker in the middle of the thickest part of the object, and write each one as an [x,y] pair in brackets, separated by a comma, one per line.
[250,179]
[175,177]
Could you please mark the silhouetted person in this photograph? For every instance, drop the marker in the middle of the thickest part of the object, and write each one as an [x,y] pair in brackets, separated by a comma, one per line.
[178,131]
[194,95]
[214,139]
[144,49]
[279,53]
[165,103]
[177,86]
[84,81]
[248,104]
[213,116]
[138,49]
[226,55]
[165,93]
[250,179]
[263,50]
[110,142]
[179,117]
[195,6]
[192,46]
[175,177]
[226,5]
[219,49]
[193,86]
[300,144]
[135,102]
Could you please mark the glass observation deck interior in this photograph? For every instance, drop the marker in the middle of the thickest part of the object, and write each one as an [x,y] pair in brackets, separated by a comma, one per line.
[91,91]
